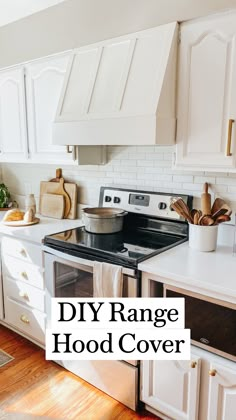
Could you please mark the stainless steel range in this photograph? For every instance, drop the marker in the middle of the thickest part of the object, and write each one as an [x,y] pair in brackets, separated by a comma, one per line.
[150,227]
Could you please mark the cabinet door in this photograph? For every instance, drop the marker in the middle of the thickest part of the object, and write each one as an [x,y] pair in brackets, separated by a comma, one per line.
[207,94]
[44,80]
[222,393]
[172,387]
[13,132]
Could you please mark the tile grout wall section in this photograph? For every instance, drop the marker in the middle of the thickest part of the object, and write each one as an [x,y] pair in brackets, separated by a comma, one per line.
[145,168]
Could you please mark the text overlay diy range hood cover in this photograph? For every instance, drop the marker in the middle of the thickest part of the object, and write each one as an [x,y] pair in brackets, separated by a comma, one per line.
[120,91]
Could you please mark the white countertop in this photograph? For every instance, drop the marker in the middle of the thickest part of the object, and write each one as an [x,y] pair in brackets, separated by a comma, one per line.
[212,273]
[36,233]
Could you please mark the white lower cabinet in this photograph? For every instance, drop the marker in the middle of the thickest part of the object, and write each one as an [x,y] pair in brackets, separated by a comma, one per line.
[222,393]
[201,389]
[23,288]
[172,387]
[30,321]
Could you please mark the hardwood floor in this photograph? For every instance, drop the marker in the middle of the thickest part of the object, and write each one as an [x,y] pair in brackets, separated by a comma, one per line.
[34,389]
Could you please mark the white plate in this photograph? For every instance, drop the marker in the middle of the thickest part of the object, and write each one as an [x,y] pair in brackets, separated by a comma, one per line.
[21,222]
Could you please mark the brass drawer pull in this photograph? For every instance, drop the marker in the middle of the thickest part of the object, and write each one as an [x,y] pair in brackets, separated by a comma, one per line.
[24,319]
[230,126]
[23,252]
[212,372]
[193,364]
[24,275]
[24,295]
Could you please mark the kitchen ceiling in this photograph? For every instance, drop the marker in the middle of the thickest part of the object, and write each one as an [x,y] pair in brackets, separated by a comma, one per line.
[12,10]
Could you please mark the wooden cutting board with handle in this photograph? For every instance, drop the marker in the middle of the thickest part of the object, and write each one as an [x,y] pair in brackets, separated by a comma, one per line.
[47,187]
[53,205]
[61,191]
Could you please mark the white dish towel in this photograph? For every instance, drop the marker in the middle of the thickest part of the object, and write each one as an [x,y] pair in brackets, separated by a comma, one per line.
[107,280]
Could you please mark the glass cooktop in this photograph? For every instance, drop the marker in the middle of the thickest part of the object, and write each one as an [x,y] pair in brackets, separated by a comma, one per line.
[127,247]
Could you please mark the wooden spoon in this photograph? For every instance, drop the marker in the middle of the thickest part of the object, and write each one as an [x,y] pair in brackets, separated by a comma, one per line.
[184,208]
[222,218]
[206,220]
[196,217]
[175,206]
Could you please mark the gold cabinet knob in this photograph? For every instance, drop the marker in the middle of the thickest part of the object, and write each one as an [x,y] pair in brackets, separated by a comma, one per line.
[212,372]
[193,364]
[24,319]
[23,252]
[24,295]
[24,275]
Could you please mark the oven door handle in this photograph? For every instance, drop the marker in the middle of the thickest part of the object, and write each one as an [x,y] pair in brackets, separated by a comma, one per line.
[81,263]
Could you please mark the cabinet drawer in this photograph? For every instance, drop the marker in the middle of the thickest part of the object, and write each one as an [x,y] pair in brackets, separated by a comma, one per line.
[29,321]
[22,249]
[25,293]
[20,270]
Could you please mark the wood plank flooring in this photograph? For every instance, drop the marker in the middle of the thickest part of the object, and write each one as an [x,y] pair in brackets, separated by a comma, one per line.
[34,389]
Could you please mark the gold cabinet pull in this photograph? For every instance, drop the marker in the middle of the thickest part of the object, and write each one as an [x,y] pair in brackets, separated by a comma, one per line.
[23,252]
[24,275]
[24,319]
[24,295]
[193,364]
[212,372]
[230,126]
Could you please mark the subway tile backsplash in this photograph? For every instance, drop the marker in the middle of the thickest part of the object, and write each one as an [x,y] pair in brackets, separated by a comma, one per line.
[145,168]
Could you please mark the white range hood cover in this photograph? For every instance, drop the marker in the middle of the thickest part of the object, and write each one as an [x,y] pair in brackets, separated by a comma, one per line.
[120,91]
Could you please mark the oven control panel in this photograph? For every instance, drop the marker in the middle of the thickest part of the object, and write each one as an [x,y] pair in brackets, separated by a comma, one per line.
[148,203]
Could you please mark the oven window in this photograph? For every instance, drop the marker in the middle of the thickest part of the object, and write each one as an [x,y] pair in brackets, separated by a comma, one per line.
[72,282]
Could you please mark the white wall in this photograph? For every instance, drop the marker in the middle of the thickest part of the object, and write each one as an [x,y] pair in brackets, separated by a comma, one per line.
[145,168]
[73,23]
[12,10]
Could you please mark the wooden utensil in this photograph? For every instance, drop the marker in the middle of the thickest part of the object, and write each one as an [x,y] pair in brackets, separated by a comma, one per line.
[222,218]
[53,205]
[177,206]
[220,204]
[206,220]
[196,217]
[219,212]
[206,200]
[61,191]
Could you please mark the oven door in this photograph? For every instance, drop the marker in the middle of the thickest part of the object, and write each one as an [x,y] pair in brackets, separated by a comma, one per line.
[68,276]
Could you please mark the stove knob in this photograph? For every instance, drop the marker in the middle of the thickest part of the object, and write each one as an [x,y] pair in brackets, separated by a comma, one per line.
[162,206]
[116,200]
[107,198]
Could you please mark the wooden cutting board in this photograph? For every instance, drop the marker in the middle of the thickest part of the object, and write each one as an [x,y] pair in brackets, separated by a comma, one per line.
[52,187]
[52,205]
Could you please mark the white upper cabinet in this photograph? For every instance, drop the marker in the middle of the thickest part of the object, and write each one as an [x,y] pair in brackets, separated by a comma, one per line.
[44,80]
[121,91]
[13,130]
[206,132]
